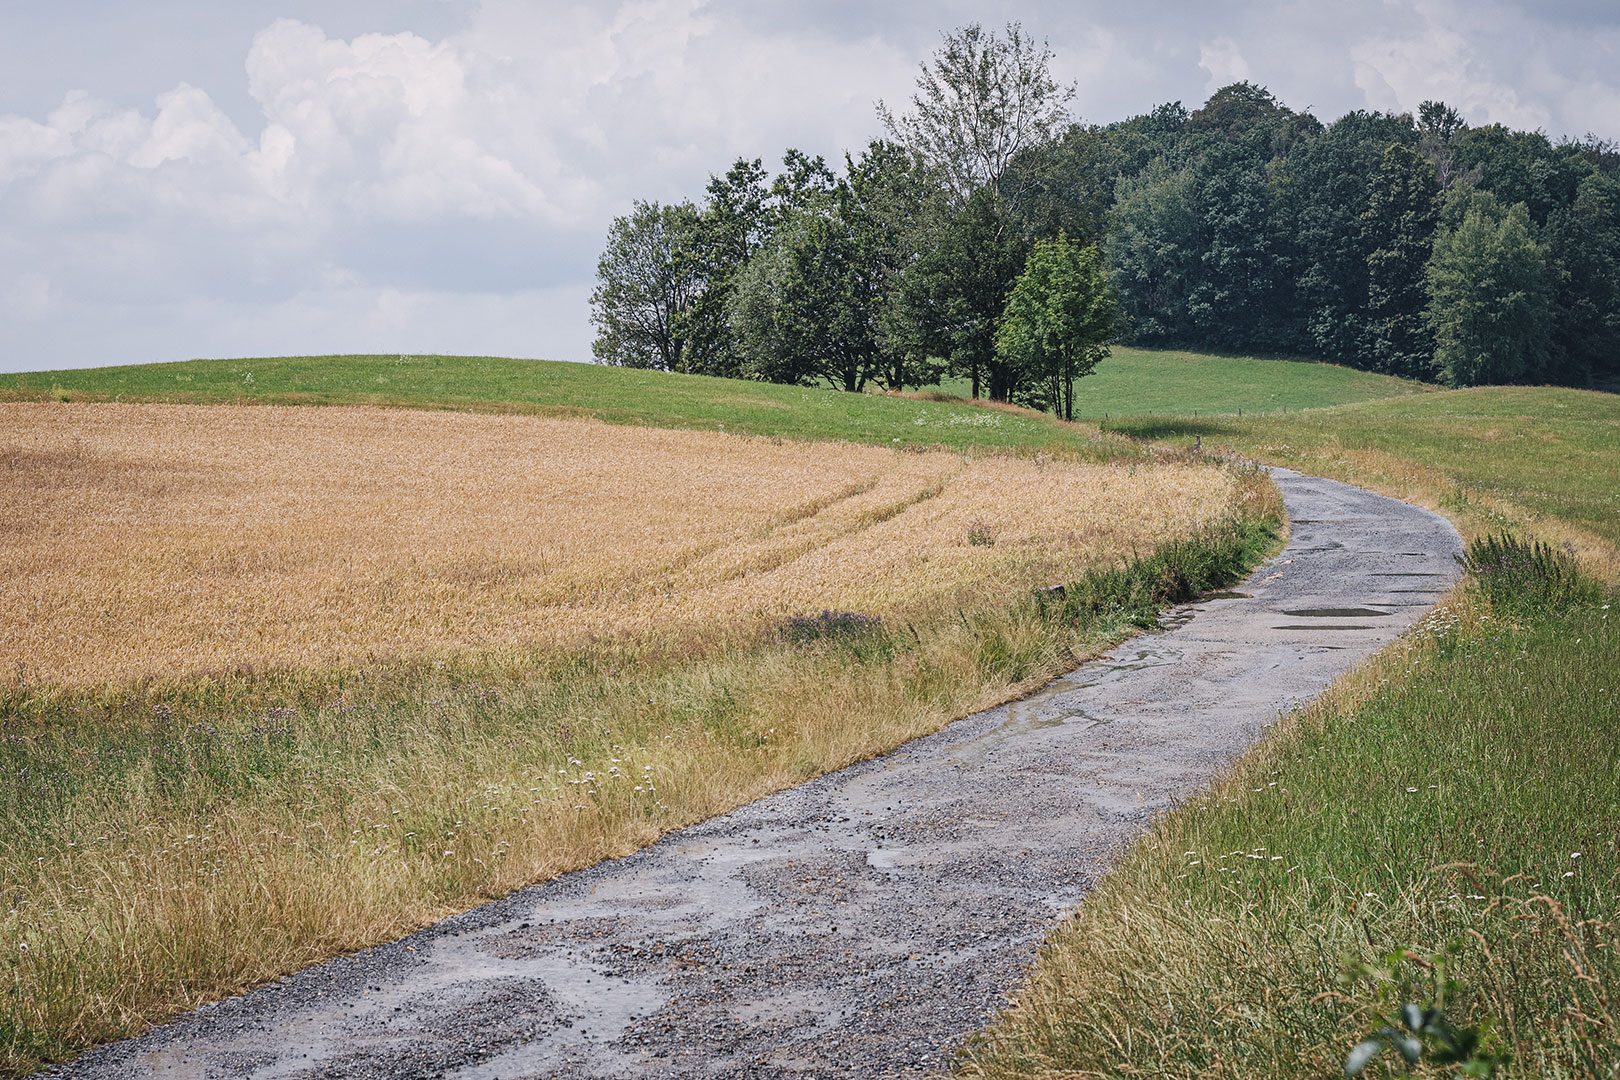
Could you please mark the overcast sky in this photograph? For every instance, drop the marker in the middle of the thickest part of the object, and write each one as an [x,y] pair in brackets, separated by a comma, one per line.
[185,178]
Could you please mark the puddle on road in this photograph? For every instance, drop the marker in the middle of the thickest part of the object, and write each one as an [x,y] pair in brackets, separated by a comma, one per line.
[1320,626]
[1336,613]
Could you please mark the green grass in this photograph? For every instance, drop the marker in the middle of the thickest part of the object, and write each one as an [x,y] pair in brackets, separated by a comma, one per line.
[1431,805]
[1549,452]
[1140,382]
[615,395]
[1461,793]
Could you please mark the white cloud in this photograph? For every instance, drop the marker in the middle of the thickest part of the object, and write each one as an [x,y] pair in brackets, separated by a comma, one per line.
[449,190]
[1224,62]
[1438,63]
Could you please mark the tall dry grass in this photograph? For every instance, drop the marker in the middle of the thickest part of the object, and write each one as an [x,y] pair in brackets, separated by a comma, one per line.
[296,682]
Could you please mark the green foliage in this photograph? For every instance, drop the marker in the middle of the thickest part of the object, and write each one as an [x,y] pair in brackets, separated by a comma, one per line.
[981,100]
[1137,590]
[1327,183]
[814,303]
[954,295]
[1584,252]
[1413,1020]
[1516,574]
[1397,230]
[1153,251]
[650,285]
[1059,318]
[1490,302]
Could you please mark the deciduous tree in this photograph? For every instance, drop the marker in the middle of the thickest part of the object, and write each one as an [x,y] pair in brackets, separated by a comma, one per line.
[1489,301]
[1060,316]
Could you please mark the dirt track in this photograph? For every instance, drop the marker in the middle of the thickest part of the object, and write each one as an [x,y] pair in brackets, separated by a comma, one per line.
[863,923]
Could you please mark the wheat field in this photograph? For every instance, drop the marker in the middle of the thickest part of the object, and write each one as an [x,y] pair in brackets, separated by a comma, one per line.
[277,682]
[151,541]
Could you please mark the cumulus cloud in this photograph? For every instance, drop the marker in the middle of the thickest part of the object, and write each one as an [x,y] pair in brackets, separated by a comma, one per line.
[449,188]
[1224,62]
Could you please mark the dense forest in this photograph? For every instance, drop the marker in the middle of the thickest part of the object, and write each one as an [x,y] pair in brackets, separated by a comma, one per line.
[1414,245]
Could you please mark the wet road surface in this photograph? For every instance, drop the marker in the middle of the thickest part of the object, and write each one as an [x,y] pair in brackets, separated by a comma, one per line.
[863,923]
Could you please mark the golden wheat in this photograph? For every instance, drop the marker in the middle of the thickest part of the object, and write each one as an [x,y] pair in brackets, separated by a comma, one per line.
[150,540]
[443,655]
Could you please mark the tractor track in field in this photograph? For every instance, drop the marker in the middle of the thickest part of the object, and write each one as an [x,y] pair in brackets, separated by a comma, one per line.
[864,923]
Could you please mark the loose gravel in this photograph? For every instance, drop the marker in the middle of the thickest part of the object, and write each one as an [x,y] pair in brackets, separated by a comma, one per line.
[862,924]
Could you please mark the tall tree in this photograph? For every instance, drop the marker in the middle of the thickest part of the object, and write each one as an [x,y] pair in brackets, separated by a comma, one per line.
[1243,296]
[980,101]
[1584,250]
[1490,304]
[1328,188]
[815,305]
[649,284]
[735,221]
[956,293]
[1059,319]
[1154,248]
[1439,127]
[1397,230]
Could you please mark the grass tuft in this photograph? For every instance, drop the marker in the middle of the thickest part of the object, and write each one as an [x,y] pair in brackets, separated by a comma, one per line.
[1518,574]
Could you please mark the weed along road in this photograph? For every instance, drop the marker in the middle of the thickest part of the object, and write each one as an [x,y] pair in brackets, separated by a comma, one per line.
[863,923]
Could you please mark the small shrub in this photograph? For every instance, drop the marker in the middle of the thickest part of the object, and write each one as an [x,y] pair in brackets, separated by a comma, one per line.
[981,535]
[1518,574]
[1174,573]
[59,394]
[828,626]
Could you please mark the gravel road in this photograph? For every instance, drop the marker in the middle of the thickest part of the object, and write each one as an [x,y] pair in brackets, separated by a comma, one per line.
[862,924]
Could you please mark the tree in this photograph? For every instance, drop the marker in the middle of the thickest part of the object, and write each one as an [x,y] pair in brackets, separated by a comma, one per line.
[649,283]
[734,222]
[1584,250]
[955,294]
[1489,302]
[1328,183]
[1439,127]
[1243,297]
[814,306]
[1060,317]
[980,102]
[1397,230]
[1154,249]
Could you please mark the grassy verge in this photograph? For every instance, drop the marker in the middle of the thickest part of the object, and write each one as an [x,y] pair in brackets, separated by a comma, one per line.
[164,846]
[1541,459]
[1430,807]
[1456,799]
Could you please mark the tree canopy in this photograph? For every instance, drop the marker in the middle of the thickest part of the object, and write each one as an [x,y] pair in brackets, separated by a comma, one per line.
[1409,244]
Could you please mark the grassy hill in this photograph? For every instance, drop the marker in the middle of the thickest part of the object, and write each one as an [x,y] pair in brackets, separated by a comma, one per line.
[551,388]
[1132,382]
[1142,382]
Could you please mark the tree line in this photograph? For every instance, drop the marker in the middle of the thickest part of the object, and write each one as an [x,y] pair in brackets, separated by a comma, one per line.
[989,237]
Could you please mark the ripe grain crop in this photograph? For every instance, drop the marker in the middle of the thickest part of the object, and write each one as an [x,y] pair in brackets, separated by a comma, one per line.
[279,683]
[141,542]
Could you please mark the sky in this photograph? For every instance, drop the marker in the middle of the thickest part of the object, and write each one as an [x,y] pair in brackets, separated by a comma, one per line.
[183,178]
